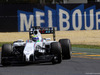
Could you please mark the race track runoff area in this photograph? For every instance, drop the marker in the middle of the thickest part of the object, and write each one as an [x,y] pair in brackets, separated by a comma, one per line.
[86,53]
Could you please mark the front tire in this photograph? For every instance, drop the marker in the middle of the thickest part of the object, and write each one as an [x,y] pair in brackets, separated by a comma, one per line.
[5,54]
[56,51]
[66,48]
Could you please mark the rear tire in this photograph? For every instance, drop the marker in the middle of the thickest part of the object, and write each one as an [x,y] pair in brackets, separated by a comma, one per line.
[56,51]
[5,54]
[66,48]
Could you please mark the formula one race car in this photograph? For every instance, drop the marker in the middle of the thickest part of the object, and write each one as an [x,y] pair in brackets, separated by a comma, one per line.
[37,49]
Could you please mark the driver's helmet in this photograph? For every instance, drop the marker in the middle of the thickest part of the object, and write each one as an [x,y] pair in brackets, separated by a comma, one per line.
[35,38]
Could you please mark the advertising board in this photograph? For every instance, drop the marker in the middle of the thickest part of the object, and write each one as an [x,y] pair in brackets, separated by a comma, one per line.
[20,17]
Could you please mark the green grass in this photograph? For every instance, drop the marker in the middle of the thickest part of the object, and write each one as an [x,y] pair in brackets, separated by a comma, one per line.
[73,45]
[86,46]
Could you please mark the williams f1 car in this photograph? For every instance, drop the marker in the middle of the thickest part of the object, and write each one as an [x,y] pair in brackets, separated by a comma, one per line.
[36,49]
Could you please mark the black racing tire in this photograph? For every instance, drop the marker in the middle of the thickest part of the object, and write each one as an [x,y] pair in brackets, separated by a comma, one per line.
[5,54]
[31,58]
[24,58]
[66,48]
[57,52]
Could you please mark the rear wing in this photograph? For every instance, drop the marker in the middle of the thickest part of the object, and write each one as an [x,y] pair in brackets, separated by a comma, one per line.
[42,30]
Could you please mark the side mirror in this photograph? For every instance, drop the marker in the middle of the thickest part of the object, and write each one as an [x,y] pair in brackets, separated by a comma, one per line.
[48,39]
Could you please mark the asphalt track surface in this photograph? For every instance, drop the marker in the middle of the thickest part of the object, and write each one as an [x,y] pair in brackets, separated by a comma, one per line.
[80,64]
